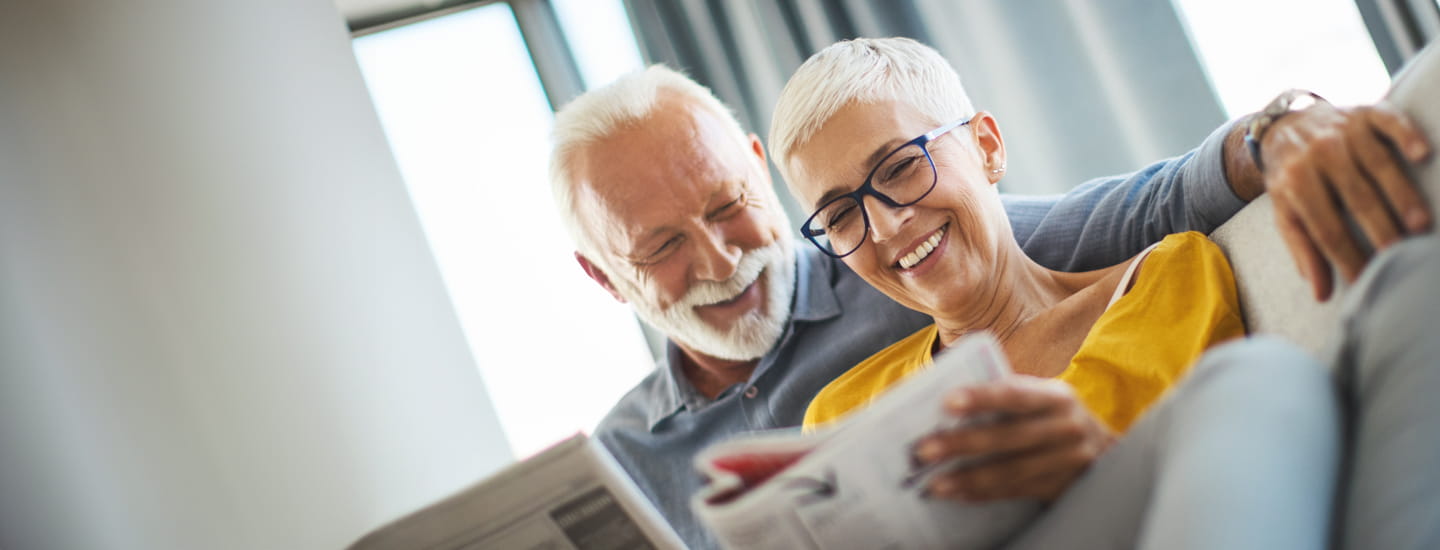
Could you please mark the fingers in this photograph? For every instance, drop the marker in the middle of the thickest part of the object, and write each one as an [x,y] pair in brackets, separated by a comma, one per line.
[1015,395]
[1400,132]
[1041,474]
[1043,438]
[1334,165]
[1366,161]
[1307,258]
[1009,436]
[1313,205]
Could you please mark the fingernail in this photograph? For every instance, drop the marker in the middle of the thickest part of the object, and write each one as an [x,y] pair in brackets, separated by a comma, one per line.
[1417,219]
[929,451]
[943,487]
[957,400]
[1418,151]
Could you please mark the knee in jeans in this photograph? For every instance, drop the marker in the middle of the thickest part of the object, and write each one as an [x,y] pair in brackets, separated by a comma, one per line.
[1414,255]
[1408,268]
[1262,360]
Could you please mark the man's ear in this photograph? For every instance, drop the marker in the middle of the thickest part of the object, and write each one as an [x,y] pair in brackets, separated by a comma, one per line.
[758,148]
[992,145]
[598,275]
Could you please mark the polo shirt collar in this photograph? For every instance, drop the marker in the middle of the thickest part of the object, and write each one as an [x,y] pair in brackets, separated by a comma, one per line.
[815,300]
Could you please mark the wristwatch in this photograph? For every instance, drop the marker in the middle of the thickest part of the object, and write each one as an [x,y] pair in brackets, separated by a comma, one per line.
[1283,104]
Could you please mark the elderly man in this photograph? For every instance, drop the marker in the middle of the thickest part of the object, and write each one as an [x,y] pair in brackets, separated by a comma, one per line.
[672,210]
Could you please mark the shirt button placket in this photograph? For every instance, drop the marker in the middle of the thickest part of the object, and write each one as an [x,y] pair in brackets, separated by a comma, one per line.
[754,412]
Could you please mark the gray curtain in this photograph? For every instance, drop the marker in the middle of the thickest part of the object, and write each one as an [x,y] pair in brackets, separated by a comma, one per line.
[1081,89]
[1400,28]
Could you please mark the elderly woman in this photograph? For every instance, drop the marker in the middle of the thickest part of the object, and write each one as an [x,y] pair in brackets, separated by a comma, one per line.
[878,138]
[926,227]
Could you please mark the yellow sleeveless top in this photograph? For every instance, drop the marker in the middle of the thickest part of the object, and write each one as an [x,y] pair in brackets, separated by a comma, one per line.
[1182,303]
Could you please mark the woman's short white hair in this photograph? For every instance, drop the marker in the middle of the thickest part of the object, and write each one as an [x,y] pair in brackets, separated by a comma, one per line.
[600,113]
[864,70]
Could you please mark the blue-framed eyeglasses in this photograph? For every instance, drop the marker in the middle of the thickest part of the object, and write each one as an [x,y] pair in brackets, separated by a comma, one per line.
[902,178]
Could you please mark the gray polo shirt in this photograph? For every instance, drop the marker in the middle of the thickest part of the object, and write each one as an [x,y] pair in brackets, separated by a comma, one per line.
[837,320]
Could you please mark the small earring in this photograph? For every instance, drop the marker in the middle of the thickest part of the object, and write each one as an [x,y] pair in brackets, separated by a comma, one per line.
[998,170]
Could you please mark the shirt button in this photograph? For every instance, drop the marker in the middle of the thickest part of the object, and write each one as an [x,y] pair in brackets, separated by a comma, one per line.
[751,392]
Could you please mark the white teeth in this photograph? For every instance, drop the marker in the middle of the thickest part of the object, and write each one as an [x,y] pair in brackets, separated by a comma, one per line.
[910,260]
[923,251]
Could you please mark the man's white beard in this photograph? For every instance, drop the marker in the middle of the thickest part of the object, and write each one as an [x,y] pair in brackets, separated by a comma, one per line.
[750,336]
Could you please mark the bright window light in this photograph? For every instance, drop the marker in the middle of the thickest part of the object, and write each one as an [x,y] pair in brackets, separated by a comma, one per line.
[600,36]
[1255,49]
[469,124]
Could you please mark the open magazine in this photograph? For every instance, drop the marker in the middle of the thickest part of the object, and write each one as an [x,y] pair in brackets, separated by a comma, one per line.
[572,496]
[857,485]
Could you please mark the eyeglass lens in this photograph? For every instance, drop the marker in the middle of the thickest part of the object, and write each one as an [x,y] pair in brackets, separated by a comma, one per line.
[904,177]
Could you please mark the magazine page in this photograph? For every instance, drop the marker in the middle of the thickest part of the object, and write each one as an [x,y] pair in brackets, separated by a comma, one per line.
[859,486]
[572,496]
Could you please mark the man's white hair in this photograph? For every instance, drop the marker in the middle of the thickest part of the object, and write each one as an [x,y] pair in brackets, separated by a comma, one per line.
[864,70]
[600,113]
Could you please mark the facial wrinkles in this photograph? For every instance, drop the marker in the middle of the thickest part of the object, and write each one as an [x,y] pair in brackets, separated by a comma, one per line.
[753,223]
[669,174]
[955,202]
[748,337]
[842,177]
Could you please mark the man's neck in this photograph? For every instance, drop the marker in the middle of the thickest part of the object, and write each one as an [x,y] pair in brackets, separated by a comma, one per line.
[710,375]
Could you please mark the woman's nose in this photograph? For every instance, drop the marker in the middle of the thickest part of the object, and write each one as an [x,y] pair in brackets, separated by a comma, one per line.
[885,220]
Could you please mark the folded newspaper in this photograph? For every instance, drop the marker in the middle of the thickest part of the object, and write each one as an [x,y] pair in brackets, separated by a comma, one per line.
[857,485]
[572,496]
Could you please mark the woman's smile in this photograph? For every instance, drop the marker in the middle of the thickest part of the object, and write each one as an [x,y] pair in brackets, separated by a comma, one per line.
[919,257]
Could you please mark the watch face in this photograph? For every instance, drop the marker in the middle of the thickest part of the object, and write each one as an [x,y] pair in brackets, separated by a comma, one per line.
[1291,100]
[1305,101]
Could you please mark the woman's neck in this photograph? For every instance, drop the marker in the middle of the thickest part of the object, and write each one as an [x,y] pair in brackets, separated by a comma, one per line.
[1020,291]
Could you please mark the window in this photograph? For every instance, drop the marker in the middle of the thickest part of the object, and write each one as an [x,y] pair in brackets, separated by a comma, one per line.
[469,124]
[600,36]
[1253,50]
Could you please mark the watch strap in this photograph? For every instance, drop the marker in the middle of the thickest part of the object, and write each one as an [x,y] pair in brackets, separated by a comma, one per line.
[1283,104]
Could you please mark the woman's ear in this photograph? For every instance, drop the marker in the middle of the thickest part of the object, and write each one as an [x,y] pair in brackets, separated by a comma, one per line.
[992,145]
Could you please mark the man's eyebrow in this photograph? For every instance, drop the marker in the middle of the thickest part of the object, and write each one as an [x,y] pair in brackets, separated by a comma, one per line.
[723,191]
[875,157]
[645,244]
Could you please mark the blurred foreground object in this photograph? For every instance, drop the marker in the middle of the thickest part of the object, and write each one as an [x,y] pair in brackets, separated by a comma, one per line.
[220,325]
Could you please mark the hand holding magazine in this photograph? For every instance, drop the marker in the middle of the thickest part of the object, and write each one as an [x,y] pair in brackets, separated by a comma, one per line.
[858,484]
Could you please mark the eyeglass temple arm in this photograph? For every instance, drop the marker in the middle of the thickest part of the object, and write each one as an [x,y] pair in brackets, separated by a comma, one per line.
[946,128]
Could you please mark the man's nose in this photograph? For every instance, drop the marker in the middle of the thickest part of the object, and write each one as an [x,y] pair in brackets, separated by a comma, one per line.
[718,256]
[885,220]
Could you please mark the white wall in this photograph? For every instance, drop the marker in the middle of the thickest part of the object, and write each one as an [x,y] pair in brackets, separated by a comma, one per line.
[219,323]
